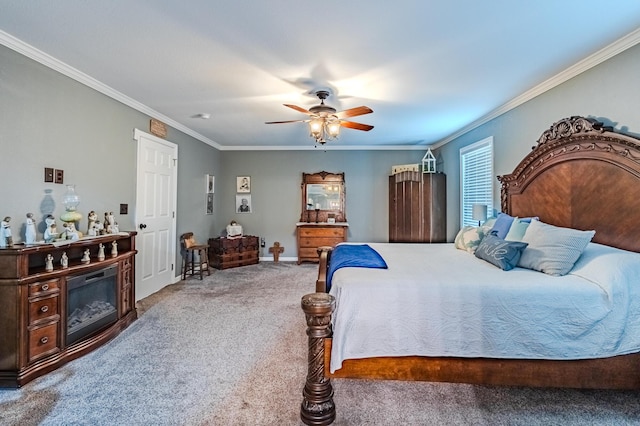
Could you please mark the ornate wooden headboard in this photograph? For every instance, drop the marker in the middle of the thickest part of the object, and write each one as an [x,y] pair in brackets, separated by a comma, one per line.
[580,175]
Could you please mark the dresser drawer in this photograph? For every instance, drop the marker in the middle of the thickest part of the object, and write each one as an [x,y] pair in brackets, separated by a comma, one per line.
[312,237]
[41,309]
[320,241]
[321,232]
[43,341]
[49,286]
[308,253]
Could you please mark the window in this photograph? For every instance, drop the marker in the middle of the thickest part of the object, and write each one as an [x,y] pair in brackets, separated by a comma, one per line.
[476,180]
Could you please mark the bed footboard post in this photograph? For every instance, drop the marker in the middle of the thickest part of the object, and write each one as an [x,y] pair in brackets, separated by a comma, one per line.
[324,254]
[317,405]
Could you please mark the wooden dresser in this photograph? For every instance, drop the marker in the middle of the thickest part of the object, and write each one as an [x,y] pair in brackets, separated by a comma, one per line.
[227,253]
[314,235]
[39,326]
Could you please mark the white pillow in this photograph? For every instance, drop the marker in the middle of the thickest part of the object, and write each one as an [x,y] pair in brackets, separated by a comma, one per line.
[469,238]
[552,249]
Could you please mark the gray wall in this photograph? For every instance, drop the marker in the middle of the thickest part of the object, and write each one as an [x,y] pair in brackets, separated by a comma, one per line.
[609,92]
[49,120]
[276,178]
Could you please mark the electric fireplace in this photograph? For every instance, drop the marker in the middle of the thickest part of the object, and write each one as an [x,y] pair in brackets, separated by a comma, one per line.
[91,302]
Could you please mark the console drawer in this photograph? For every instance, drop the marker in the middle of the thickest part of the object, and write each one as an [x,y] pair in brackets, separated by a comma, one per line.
[49,286]
[43,341]
[43,308]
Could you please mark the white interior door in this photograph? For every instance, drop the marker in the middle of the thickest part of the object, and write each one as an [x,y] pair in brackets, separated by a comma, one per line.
[156,200]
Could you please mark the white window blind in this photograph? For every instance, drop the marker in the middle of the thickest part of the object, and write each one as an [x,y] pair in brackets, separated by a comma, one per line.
[476,180]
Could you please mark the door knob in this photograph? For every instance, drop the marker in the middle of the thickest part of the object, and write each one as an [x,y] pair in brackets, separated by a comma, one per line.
[142,226]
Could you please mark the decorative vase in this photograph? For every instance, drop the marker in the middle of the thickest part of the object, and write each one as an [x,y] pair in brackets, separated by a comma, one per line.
[71,201]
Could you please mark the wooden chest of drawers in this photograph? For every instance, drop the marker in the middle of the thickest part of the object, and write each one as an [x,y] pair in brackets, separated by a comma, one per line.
[314,235]
[233,252]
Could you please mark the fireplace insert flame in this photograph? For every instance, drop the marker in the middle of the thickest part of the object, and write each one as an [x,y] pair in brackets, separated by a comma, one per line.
[91,302]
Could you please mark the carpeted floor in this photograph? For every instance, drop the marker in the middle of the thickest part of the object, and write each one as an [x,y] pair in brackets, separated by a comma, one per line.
[231,350]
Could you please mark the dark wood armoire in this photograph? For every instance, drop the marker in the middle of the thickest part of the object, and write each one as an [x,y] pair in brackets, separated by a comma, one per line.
[417,207]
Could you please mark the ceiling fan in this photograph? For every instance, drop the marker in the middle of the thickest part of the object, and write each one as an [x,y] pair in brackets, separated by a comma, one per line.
[325,122]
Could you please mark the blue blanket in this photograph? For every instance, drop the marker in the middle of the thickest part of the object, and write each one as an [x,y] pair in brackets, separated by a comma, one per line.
[350,255]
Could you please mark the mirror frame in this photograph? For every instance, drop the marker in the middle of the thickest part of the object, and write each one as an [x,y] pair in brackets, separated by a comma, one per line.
[309,216]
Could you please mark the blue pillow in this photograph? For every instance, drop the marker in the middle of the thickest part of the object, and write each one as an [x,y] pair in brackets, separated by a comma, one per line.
[502,225]
[503,254]
[504,221]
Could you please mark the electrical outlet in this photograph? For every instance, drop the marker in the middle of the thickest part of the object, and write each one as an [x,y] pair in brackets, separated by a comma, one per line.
[59,176]
[262,243]
[48,174]
[124,208]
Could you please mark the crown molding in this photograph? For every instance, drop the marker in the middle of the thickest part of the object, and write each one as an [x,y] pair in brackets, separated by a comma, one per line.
[49,61]
[329,146]
[589,62]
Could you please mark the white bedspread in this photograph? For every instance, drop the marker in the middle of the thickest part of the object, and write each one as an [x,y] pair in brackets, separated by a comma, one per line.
[435,300]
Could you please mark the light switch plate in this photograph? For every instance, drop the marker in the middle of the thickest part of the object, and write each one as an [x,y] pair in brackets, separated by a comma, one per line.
[48,174]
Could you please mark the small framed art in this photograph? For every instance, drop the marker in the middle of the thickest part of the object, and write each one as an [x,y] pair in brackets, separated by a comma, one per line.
[210,183]
[243,184]
[243,203]
[209,204]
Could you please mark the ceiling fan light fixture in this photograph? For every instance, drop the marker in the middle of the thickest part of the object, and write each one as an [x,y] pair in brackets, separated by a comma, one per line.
[325,122]
[315,127]
[324,127]
[333,127]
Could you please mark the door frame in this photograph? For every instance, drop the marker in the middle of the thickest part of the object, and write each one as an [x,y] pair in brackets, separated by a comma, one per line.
[137,135]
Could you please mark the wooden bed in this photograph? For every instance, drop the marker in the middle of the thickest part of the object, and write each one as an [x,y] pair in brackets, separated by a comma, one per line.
[579,175]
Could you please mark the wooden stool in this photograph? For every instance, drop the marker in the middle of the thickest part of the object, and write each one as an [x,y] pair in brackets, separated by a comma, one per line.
[189,248]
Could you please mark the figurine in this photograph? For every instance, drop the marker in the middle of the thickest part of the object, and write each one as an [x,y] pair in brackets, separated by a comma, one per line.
[64,260]
[70,232]
[94,225]
[96,229]
[30,230]
[86,257]
[48,265]
[6,240]
[110,224]
[101,252]
[51,233]
[114,249]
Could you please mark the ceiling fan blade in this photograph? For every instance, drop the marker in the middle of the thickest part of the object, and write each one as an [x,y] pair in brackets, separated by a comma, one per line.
[288,121]
[354,125]
[352,112]
[299,109]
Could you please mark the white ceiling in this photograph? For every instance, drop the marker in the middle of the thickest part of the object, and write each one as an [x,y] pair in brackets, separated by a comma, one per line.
[428,69]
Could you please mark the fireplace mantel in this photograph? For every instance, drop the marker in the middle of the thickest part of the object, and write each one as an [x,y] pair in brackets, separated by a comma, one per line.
[33,302]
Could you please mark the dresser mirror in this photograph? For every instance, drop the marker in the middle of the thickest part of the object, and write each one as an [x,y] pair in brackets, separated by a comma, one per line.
[323,197]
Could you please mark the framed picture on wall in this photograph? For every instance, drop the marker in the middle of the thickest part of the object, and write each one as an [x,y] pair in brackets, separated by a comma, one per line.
[210,183]
[243,184]
[243,204]
[209,204]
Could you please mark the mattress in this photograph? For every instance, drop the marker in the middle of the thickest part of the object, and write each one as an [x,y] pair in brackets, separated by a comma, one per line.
[435,300]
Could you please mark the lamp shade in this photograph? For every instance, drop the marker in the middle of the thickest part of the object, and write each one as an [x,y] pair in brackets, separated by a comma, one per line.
[479,212]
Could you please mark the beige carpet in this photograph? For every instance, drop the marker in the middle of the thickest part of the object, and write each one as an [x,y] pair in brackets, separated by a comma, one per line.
[231,350]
